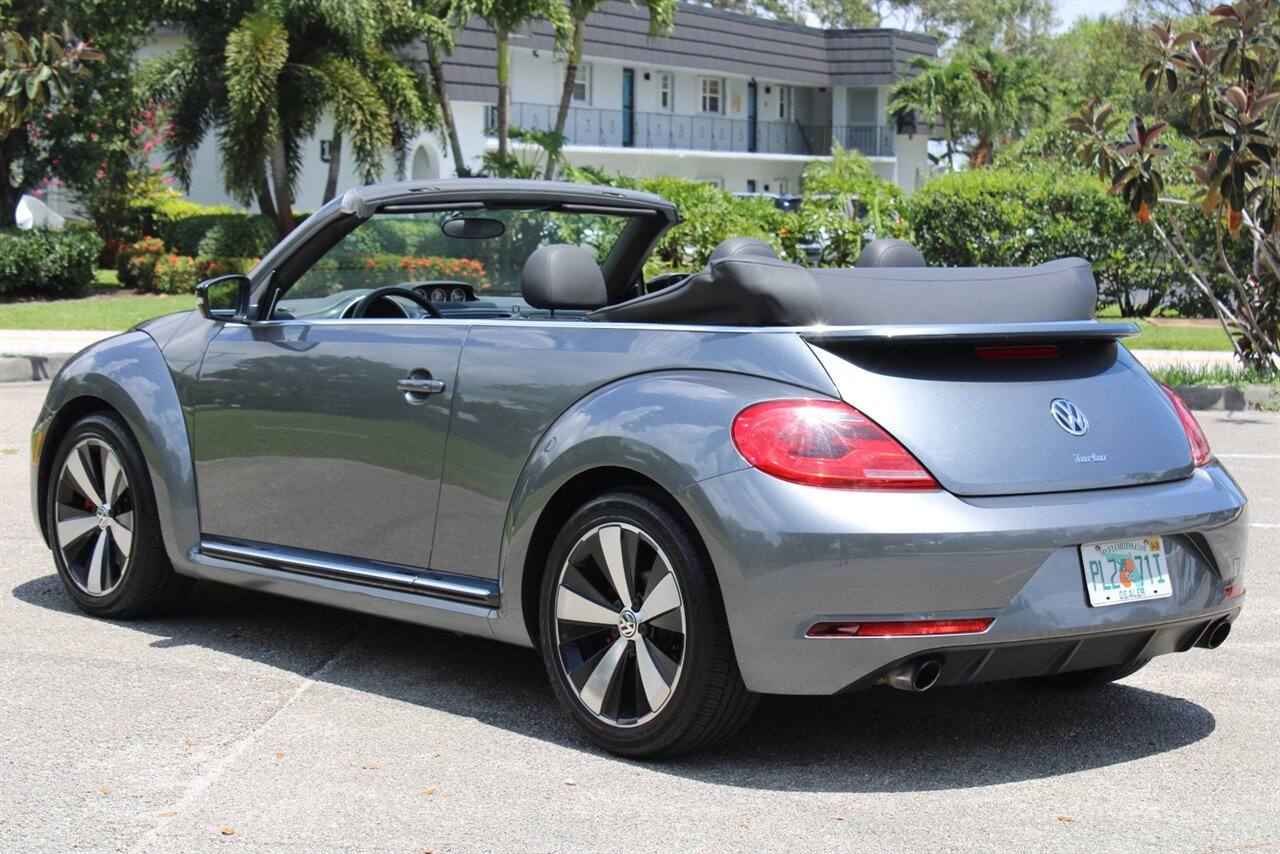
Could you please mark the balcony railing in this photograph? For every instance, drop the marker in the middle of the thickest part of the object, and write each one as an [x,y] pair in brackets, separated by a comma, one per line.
[622,129]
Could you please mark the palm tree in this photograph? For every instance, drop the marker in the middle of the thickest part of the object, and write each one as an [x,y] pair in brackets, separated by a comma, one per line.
[662,14]
[1016,97]
[985,95]
[437,21]
[945,93]
[504,17]
[262,73]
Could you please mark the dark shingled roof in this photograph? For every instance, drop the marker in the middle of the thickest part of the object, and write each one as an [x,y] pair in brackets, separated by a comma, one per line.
[704,39]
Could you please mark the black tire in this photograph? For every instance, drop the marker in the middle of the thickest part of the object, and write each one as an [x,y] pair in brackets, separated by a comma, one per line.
[705,700]
[114,566]
[1083,680]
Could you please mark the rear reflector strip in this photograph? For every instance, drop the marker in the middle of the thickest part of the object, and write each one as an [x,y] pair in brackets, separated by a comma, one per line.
[1046,351]
[1235,590]
[899,628]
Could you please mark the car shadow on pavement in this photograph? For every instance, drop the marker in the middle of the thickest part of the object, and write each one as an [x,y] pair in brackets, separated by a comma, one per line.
[872,741]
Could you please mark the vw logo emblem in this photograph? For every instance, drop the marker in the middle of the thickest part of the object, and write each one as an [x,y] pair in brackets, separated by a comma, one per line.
[627,623]
[1069,416]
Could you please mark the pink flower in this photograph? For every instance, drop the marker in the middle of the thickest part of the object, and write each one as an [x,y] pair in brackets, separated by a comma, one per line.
[93,136]
[148,146]
[37,193]
[101,174]
[48,115]
[168,180]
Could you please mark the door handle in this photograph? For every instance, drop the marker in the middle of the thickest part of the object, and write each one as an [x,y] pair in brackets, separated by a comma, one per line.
[418,389]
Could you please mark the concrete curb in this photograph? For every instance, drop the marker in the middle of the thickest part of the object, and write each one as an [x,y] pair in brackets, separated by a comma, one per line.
[1231,398]
[25,369]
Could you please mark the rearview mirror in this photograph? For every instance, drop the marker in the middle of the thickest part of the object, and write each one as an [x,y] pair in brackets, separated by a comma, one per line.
[473,227]
[224,298]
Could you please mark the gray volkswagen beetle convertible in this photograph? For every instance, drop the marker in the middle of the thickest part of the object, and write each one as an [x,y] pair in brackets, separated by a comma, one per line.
[459,403]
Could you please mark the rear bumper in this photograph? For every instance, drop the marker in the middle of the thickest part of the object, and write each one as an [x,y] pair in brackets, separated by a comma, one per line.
[789,556]
[992,662]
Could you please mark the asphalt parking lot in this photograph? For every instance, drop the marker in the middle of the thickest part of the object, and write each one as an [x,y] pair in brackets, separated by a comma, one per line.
[261,723]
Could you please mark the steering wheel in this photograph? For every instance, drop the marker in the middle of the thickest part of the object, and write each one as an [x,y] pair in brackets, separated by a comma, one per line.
[362,308]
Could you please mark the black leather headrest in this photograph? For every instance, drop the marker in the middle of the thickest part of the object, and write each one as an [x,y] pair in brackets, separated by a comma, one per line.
[736,247]
[562,276]
[890,252]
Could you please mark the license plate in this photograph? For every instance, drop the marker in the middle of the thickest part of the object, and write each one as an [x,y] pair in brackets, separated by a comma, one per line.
[1125,571]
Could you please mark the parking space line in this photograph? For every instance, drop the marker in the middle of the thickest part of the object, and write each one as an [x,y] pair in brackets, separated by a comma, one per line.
[1263,525]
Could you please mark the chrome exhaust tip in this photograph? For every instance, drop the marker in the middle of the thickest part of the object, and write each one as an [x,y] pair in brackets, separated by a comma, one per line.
[915,675]
[1214,636]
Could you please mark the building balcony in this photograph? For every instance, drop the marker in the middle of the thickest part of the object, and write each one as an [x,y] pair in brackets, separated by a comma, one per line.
[587,126]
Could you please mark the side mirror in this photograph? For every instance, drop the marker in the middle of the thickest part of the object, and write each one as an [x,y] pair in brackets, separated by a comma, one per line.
[224,298]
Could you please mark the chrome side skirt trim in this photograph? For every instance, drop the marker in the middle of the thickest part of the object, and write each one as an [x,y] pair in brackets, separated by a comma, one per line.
[406,579]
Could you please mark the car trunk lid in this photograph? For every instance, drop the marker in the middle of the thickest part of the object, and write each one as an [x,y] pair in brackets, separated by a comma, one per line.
[975,405]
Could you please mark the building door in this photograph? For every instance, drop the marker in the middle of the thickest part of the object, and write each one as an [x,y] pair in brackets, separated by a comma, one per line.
[751,116]
[628,107]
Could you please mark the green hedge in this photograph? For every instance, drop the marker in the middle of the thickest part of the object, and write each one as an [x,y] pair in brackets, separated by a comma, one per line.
[1002,218]
[331,275]
[46,262]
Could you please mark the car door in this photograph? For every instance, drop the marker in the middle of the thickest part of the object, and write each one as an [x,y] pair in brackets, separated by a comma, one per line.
[327,435]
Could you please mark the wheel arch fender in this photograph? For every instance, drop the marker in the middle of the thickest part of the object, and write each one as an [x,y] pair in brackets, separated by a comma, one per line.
[660,432]
[128,375]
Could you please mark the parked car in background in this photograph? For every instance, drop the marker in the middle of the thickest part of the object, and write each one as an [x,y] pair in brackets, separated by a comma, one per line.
[752,478]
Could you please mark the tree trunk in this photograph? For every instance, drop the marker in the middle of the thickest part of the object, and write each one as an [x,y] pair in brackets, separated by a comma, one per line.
[335,164]
[504,99]
[566,93]
[981,154]
[9,194]
[446,107]
[265,203]
[283,195]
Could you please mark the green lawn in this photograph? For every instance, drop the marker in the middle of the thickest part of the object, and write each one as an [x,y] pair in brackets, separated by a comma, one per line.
[1177,337]
[103,312]
[1168,337]
[1212,375]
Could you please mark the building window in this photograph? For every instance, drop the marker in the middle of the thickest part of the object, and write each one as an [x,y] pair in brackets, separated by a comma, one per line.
[784,103]
[582,85]
[712,95]
[666,92]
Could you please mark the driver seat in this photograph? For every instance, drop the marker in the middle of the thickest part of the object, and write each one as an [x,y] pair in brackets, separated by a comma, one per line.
[561,275]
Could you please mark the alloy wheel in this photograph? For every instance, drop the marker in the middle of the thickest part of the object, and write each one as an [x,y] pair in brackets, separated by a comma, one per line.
[94,516]
[620,624]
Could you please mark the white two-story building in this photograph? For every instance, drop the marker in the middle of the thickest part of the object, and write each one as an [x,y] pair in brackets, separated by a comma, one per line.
[736,100]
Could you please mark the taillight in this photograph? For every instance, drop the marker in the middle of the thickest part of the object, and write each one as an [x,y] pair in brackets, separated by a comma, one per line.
[825,443]
[1200,452]
[899,628]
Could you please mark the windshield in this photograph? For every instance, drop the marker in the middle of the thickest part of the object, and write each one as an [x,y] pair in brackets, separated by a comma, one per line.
[485,249]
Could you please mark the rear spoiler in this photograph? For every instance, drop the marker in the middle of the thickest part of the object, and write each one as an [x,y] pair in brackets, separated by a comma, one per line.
[943,333]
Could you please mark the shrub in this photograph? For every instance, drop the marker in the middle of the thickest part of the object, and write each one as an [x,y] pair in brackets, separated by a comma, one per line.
[1001,218]
[238,236]
[338,274]
[134,262]
[47,262]
[174,274]
[209,266]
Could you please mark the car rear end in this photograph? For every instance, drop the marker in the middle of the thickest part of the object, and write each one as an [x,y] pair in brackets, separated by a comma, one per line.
[981,504]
